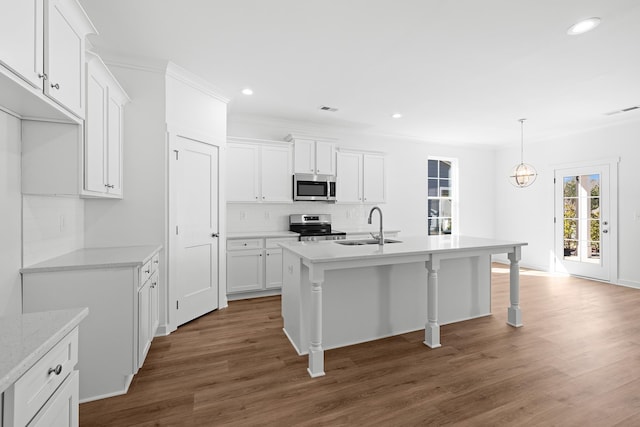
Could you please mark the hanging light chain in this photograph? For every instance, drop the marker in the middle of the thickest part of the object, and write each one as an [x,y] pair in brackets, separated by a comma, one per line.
[522,140]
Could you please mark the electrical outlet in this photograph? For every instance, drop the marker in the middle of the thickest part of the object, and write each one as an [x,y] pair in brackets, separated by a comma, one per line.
[267,215]
[243,215]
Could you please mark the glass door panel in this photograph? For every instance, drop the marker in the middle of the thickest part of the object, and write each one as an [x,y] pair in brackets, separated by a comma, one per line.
[580,234]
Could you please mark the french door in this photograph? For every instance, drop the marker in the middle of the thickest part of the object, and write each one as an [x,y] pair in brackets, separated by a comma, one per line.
[583,221]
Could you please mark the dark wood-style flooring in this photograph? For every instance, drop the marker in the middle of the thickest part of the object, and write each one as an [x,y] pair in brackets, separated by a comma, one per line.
[575,362]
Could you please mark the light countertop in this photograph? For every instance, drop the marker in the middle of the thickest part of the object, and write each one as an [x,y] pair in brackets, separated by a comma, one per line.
[366,229]
[330,251]
[114,257]
[260,234]
[25,338]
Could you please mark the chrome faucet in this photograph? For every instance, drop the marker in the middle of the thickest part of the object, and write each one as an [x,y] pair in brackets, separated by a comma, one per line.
[379,237]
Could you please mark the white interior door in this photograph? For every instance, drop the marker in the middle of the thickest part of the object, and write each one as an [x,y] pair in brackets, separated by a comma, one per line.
[195,249]
[584,229]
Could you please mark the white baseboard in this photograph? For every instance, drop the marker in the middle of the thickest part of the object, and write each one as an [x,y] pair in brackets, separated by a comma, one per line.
[254,294]
[628,283]
[112,394]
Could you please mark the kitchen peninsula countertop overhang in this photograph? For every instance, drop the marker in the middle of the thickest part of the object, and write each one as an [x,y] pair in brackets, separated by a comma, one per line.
[373,291]
[412,246]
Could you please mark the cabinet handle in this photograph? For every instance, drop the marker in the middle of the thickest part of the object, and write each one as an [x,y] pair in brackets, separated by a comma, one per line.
[42,76]
[156,262]
[153,284]
[55,86]
[147,271]
[215,235]
[57,370]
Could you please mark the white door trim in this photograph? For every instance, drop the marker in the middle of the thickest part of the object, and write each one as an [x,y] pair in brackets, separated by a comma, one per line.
[612,164]
[171,215]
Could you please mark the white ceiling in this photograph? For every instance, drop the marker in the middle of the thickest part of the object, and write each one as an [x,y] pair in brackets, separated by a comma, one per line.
[460,71]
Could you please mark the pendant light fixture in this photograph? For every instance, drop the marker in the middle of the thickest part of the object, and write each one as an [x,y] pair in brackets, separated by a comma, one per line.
[523,174]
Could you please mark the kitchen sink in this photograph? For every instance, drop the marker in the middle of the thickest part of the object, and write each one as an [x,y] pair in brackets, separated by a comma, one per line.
[364,242]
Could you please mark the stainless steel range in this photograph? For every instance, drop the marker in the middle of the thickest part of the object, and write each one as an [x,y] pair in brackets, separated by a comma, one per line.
[313,227]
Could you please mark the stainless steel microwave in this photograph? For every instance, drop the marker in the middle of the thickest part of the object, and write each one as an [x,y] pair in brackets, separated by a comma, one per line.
[314,188]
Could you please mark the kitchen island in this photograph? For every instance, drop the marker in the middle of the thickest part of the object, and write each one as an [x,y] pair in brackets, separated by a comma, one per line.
[337,294]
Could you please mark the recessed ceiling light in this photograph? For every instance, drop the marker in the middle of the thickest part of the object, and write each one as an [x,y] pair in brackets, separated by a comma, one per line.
[396,115]
[583,26]
[247,91]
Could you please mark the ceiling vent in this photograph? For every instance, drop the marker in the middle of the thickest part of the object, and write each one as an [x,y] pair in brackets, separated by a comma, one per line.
[624,110]
[325,108]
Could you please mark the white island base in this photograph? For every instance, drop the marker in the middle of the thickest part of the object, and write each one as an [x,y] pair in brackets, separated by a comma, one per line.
[334,296]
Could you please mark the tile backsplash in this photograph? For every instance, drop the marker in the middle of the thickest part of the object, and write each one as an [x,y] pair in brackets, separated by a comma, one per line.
[275,216]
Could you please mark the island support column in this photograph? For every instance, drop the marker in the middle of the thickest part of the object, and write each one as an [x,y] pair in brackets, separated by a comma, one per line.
[316,353]
[514,315]
[432,328]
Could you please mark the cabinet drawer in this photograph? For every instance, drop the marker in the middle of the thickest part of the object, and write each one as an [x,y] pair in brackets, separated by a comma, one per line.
[62,409]
[236,245]
[273,242]
[155,262]
[30,392]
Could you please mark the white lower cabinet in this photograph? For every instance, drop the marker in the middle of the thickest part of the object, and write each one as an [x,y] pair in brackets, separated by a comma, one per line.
[123,315]
[245,266]
[254,265]
[47,394]
[273,269]
[62,409]
[148,310]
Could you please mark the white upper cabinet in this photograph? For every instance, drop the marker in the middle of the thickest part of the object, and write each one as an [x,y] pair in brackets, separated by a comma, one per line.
[22,39]
[360,177]
[243,163]
[313,155]
[374,178]
[258,171]
[43,43]
[349,177]
[276,177]
[103,143]
[57,159]
[304,156]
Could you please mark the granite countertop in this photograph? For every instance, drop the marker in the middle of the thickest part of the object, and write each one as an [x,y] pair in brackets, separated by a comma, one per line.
[88,258]
[260,234]
[25,338]
[330,251]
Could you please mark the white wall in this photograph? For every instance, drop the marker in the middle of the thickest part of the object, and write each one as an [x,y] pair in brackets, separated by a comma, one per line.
[10,216]
[406,172]
[527,214]
[51,226]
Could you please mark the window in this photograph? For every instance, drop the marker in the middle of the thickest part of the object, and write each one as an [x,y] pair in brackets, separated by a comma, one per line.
[442,196]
